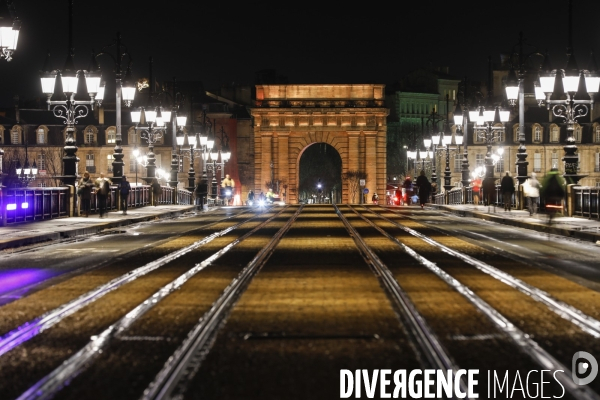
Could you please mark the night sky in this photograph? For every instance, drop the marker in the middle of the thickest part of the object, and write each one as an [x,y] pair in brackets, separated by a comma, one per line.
[220,42]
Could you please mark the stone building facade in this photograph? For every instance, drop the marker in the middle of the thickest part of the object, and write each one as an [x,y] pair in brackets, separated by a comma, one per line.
[289,118]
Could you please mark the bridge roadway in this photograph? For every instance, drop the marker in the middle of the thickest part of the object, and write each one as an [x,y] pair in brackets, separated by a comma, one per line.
[240,304]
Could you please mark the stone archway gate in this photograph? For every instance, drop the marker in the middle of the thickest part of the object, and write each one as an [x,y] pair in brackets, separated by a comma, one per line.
[349,117]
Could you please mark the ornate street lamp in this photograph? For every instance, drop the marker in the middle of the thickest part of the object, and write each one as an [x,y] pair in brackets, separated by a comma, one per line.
[489,126]
[10,26]
[570,94]
[515,92]
[461,121]
[70,109]
[432,141]
[150,122]
[125,92]
[216,165]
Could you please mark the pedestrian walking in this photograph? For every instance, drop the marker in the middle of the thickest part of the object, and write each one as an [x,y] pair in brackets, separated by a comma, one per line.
[375,198]
[84,190]
[507,188]
[424,188]
[250,200]
[553,190]
[532,191]
[476,185]
[156,191]
[124,189]
[102,185]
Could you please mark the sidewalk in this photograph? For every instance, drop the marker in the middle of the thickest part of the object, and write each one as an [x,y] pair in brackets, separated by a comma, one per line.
[574,227]
[27,233]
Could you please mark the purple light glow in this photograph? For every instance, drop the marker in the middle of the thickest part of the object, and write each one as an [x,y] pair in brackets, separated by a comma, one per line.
[10,207]
[24,205]
[17,278]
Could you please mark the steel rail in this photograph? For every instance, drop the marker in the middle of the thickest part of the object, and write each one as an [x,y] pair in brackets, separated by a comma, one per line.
[48,386]
[587,323]
[172,381]
[520,338]
[91,237]
[35,326]
[437,356]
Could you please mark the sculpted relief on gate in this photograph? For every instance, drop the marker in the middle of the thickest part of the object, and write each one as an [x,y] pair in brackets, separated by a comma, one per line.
[350,118]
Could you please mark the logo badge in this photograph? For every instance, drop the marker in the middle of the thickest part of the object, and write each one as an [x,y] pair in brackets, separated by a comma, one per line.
[588,367]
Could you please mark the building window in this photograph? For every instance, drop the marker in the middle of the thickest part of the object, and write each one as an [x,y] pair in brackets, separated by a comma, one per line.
[109,159]
[111,135]
[41,162]
[89,136]
[500,165]
[578,162]
[15,135]
[577,133]
[537,133]
[597,162]
[554,163]
[537,162]
[132,164]
[42,184]
[516,133]
[457,163]
[134,139]
[554,134]
[41,136]
[479,160]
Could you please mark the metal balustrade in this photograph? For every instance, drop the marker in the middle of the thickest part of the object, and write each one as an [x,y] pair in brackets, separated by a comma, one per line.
[34,204]
[585,201]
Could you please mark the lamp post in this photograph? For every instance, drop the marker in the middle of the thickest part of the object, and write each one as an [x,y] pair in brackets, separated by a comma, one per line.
[70,109]
[125,92]
[570,92]
[489,126]
[432,141]
[515,93]
[461,121]
[150,122]
[10,26]
[218,165]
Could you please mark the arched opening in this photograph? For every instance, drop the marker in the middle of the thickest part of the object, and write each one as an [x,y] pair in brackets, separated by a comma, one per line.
[320,177]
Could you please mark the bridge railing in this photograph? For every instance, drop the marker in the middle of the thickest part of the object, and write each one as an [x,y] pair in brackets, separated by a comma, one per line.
[585,201]
[34,204]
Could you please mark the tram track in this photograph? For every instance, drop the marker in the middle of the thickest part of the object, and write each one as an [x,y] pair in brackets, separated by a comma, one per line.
[521,339]
[48,386]
[10,296]
[195,320]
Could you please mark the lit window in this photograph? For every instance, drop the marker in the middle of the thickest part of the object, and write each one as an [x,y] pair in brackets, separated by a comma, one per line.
[89,160]
[554,134]
[110,160]
[597,134]
[500,165]
[537,162]
[554,159]
[15,136]
[41,162]
[457,163]
[597,162]
[577,133]
[537,134]
[89,136]
[41,136]
[111,136]
[479,160]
